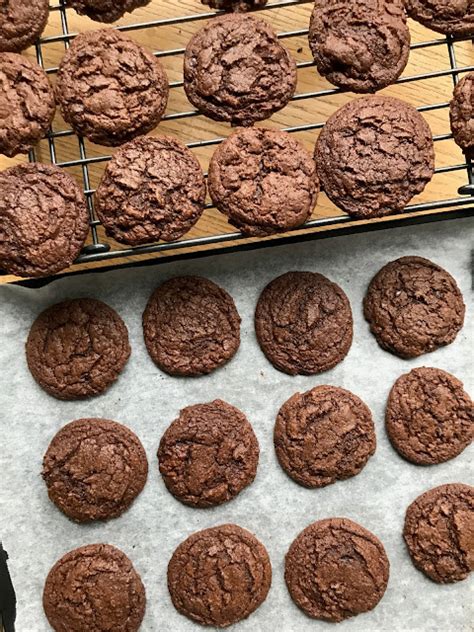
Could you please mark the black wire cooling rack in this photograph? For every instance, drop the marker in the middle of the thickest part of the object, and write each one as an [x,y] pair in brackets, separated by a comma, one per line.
[460,206]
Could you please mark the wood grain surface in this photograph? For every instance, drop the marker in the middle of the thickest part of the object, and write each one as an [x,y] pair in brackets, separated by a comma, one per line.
[435,90]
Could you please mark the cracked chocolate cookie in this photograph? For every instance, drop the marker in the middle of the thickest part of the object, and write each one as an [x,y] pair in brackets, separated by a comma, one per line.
[303,323]
[109,88]
[77,348]
[413,306]
[106,10]
[21,23]
[438,532]
[235,5]
[191,326]
[336,569]
[445,16]
[153,188]
[44,220]
[27,104]
[263,180]
[209,454]
[236,70]
[324,435]
[429,416]
[363,45]
[373,155]
[461,112]
[94,588]
[94,469]
[219,576]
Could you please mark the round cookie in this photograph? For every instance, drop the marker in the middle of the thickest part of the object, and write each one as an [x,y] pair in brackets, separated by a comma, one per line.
[445,16]
[324,435]
[461,113]
[94,469]
[429,416]
[413,307]
[209,454]
[235,5]
[303,323]
[236,70]
[77,348]
[109,88]
[263,180]
[27,104]
[438,532]
[191,326]
[43,218]
[336,569]
[219,576]
[153,188]
[362,45]
[94,588]
[373,155]
[21,23]
[106,10]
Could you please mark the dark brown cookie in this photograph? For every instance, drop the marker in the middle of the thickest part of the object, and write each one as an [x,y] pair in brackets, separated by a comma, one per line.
[373,155]
[444,16]
[106,10]
[77,348]
[438,532]
[94,469]
[336,569]
[21,23]
[303,323]
[209,454]
[236,70]
[44,220]
[191,326]
[235,5]
[153,188]
[324,435]
[27,104]
[413,307]
[461,112]
[429,416]
[109,88]
[94,588]
[263,180]
[219,576]
[362,45]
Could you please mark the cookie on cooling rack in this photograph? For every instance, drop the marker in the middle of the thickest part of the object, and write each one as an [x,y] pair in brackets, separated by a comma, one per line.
[109,88]
[236,70]
[235,5]
[461,113]
[21,23]
[106,10]
[445,16]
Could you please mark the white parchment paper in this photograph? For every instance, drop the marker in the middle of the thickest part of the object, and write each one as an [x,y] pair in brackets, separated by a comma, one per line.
[275,508]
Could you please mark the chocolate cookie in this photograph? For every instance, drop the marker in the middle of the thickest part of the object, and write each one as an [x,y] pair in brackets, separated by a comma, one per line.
[21,23]
[336,569]
[303,323]
[94,588]
[219,576]
[235,5]
[263,180]
[362,45]
[413,307]
[373,155]
[109,88]
[444,16]
[27,104]
[438,532]
[153,188]
[94,469]
[44,220]
[236,70]
[429,416]
[106,10]
[324,435]
[461,112]
[77,348]
[209,454]
[191,326]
